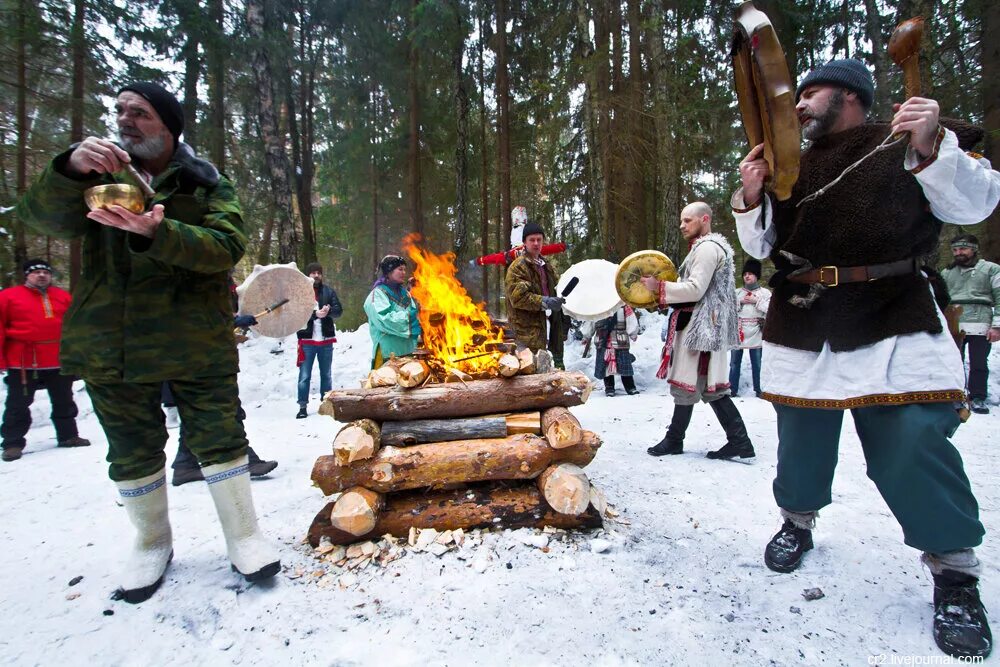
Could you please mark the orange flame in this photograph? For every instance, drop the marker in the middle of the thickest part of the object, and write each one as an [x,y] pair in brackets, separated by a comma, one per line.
[454,327]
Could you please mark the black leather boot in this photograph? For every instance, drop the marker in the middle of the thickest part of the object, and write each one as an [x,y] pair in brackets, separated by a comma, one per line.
[673,441]
[784,552]
[609,385]
[629,385]
[258,466]
[960,625]
[737,440]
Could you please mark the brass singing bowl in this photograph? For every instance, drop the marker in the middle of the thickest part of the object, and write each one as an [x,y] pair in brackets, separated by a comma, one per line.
[116,194]
[628,279]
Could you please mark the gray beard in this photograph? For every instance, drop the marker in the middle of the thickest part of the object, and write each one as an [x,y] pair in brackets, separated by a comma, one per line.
[821,125]
[147,149]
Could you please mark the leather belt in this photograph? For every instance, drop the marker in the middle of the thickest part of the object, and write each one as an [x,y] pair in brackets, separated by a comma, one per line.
[831,276]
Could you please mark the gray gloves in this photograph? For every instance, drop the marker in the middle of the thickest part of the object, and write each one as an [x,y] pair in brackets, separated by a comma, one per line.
[552,303]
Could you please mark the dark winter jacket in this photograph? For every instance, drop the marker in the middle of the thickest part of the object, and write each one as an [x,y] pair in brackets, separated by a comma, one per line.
[325,295]
[147,310]
[524,301]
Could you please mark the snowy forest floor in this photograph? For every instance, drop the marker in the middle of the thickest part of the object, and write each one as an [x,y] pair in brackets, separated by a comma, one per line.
[682,583]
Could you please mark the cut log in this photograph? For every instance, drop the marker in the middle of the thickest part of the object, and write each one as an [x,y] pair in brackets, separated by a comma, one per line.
[415,432]
[481,507]
[524,422]
[561,428]
[411,374]
[598,501]
[565,487]
[385,376]
[358,440]
[509,365]
[392,469]
[527,361]
[523,392]
[356,511]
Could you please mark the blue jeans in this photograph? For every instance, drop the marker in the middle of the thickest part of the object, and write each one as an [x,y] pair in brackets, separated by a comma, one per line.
[324,353]
[736,361]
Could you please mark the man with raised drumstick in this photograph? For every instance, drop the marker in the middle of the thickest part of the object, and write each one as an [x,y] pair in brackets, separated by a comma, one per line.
[154,283]
[853,325]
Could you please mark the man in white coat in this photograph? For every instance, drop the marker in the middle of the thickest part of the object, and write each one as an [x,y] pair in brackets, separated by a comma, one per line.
[703,328]
[752,300]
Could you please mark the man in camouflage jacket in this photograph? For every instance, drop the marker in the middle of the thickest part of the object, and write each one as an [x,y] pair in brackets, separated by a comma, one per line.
[153,305]
[532,302]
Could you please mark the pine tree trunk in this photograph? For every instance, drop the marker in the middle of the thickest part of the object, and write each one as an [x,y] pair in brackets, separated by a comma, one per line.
[989,47]
[20,243]
[484,190]
[874,32]
[274,145]
[192,73]
[373,179]
[462,137]
[416,201]
[79,45]
[215,53]
[503,120]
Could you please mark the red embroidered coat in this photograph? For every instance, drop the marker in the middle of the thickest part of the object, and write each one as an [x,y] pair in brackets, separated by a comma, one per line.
[31,326]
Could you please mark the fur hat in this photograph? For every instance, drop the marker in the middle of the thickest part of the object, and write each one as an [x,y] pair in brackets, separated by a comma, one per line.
[313,266]
[752,266]
[847,73]
[531,228]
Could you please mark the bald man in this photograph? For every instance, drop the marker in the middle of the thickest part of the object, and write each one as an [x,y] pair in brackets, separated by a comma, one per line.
[702,330]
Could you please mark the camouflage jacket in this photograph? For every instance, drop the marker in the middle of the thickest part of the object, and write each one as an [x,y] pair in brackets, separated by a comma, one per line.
[524,301]
[147,310]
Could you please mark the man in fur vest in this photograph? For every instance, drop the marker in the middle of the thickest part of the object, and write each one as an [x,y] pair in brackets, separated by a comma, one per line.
[153,306]
[853,325]
[702,330]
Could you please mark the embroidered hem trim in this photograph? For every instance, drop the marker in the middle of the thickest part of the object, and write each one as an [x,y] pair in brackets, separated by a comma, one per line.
[945,396]
[143,490]
[934,153]
[227,474]
[691,388]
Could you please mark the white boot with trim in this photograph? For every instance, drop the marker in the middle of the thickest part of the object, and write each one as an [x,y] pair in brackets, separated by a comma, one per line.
[145,500]
[251,554]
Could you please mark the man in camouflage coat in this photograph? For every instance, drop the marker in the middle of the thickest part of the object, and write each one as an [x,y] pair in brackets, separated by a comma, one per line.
[153,305]
[533,308]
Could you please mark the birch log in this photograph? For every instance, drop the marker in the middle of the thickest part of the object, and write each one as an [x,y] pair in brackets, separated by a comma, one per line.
[392,469]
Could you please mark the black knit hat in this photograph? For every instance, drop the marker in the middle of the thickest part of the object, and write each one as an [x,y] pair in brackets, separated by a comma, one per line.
[531,228]
[166,105]
[847,73]
[752,266]
[36,264]
[390,263]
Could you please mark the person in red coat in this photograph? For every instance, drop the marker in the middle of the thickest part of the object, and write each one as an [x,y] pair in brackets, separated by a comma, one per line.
[31,317]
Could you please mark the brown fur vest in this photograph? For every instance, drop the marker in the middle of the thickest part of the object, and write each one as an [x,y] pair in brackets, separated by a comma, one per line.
[877,213]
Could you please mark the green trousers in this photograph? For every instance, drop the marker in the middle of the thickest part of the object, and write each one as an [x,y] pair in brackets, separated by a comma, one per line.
[133,422]
[915,467]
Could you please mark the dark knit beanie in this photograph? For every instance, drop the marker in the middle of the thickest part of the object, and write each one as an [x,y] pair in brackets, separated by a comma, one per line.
[531,228]
[313,266]
[390,263]
[166,105]
[847,73]
[36,264]
[752,266]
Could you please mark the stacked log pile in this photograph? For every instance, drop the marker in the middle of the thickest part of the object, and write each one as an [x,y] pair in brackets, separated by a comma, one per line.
[500,452]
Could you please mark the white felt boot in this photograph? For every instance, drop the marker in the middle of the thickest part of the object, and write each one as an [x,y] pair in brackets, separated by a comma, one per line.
[252,555]
[145,500]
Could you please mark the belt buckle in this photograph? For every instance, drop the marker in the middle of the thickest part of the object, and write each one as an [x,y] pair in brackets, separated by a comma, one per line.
[836,276]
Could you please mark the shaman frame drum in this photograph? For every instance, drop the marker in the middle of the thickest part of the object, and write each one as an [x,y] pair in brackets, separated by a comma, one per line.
[266,286]
[595,296]
[633,268]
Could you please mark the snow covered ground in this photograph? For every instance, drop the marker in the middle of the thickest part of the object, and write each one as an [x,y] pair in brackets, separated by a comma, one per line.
[683,582]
